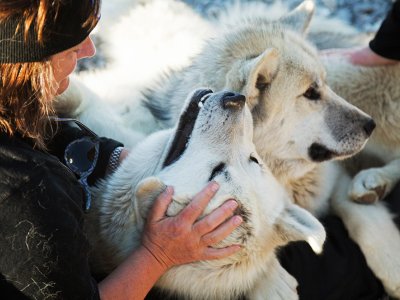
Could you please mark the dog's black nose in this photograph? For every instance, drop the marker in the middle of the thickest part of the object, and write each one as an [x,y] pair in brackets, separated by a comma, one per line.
[231,100]
[369,126]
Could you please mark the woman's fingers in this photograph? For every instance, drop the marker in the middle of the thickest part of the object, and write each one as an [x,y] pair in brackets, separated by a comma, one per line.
[215,218]
[216,253]
[199,202]
[222,231]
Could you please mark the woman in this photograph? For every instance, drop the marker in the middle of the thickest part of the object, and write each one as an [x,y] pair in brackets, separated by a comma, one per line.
[43,249]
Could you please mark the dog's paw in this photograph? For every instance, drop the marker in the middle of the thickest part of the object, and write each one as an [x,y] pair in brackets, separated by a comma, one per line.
[277,285]
[369,186]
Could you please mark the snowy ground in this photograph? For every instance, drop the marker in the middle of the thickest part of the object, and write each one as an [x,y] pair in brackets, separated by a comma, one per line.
[365,15]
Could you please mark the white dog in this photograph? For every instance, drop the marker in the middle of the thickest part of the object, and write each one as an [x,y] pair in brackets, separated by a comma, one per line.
[212,141]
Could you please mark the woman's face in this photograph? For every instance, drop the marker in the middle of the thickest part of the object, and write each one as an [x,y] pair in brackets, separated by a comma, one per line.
[64,63]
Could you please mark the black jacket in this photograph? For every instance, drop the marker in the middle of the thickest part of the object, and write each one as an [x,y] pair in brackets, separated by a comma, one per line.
[387,40]
[43,249]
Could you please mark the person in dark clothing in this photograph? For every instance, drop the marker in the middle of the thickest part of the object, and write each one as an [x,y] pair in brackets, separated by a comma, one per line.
[386,42]
[46,165]
[383,49]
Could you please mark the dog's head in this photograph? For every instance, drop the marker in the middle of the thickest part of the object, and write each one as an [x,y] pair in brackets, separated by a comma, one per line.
[297,116]
[213,141]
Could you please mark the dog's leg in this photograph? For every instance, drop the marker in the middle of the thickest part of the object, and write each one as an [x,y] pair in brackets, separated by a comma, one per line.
[372,228]
[373,184]
[276,284]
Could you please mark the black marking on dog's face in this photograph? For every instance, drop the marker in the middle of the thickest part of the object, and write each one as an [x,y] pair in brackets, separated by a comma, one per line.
[216,171]
[320,153]
[185,127]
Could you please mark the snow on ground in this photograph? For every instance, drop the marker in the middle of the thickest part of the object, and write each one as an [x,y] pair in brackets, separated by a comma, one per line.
[365,15]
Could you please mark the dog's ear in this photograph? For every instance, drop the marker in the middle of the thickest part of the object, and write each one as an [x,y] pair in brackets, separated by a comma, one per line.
[297,224]
[299,19]
[260,72]
[146,193]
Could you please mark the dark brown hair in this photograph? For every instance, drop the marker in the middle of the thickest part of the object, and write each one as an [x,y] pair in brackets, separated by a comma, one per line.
[26,91]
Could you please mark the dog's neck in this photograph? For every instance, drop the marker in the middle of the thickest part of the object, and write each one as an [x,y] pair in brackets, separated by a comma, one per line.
[289,170]
[302,180]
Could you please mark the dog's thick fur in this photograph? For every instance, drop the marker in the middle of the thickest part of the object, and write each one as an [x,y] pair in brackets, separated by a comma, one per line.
[300,124]
[219,148]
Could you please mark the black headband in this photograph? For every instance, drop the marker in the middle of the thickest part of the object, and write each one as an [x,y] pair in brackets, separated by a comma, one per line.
[60,33]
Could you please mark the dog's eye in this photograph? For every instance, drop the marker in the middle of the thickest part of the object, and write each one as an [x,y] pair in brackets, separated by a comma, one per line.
[312,94]
[217,170]
[253,159]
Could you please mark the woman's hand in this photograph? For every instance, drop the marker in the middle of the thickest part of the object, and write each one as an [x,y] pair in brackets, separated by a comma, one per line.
[181,239]
[171,241]
[361,56]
